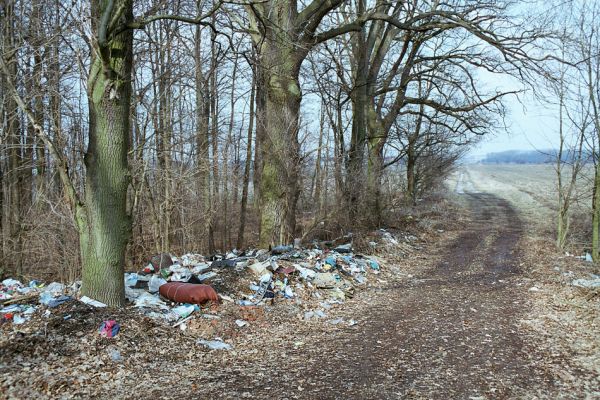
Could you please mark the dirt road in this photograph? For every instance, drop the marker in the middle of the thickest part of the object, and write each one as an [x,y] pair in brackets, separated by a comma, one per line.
[449,332]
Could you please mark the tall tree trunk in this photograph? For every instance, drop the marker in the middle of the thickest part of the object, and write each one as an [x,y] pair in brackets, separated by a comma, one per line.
[283,34]
[214,140]
[280,151]
[562,225]
[202,141]
[246,183]
[376,143]
[596,214]
[54,82]
[592,65]
[339,148]
[317,180]
[260,134]
[38,108]
[360,99]
[103,222]
[225,234]
[165,135]
[411,158]
[11,172]
[411,173]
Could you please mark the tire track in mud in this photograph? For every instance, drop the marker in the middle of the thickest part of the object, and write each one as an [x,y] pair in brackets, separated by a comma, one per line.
[455,327]
[449,333]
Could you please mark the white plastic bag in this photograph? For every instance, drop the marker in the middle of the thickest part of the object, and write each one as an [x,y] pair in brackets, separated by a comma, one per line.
[155,283]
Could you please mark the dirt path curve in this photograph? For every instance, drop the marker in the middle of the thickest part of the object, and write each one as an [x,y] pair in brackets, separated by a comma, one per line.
[449,333]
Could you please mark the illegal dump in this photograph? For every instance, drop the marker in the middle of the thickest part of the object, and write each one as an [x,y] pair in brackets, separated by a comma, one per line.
[216,303]
[172,289]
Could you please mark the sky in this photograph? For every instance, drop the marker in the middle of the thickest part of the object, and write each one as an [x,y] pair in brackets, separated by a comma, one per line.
[530,124]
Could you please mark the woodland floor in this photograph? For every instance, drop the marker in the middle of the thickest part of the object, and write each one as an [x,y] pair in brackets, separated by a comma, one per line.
[480,311]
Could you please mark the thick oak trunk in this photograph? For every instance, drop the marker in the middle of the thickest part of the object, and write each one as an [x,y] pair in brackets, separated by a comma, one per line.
[103,220]
[280,149]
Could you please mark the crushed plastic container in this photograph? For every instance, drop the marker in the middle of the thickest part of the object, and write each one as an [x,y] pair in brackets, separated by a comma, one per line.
[109,328]
[327,280]
[131,279]
[281,249]
[148,300]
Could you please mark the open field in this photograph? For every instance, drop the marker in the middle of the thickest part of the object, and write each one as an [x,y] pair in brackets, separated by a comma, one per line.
[532,191]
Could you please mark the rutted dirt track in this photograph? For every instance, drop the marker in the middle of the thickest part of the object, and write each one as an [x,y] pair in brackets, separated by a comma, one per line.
[450,332]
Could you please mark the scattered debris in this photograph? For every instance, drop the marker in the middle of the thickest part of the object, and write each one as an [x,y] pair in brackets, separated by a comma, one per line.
[115,355]
[109,329]
[214,344]
[241,323]
[587,283]
[92,302]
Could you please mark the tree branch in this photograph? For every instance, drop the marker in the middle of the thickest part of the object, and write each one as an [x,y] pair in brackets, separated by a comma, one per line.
[442,107]
[199,20]
[103,28]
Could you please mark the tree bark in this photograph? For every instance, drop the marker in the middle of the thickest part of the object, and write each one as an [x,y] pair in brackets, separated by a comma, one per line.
[259,138]
[279,186]
[411,187]
[376,142]
[283,35]
[103,222]
[317,177]
[411,158]
[11,163]
[360,98]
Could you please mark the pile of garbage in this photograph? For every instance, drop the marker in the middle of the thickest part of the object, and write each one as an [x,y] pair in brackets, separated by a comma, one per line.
[17,298]
[280,273]
[172,288]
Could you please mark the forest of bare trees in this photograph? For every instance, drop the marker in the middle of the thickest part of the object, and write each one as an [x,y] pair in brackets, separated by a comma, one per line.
[136,127]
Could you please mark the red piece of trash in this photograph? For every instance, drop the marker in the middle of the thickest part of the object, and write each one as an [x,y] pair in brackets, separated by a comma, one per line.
[109,328]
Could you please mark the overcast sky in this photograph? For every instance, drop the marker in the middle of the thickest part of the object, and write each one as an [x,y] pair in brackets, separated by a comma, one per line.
[531,124]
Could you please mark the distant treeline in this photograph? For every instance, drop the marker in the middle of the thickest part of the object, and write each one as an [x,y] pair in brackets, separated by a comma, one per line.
[526,157]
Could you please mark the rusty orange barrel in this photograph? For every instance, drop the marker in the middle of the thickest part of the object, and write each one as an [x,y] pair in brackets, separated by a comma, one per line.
[180,292]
